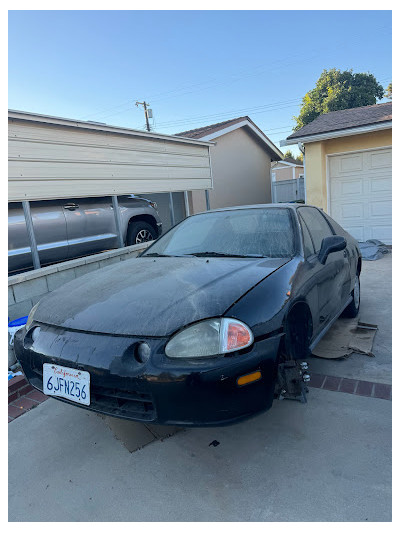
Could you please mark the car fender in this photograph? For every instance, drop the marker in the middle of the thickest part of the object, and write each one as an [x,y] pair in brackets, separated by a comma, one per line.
[130,213]
[266,305]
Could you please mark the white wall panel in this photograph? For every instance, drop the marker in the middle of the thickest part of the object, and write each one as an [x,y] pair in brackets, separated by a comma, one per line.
[48,160]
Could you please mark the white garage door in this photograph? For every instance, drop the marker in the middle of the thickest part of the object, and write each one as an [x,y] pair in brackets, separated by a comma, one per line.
[361,193]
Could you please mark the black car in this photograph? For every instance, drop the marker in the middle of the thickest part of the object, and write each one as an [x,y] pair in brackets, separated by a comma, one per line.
[206,327]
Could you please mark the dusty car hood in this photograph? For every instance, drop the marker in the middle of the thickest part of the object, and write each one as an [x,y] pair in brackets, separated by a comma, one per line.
[152,296]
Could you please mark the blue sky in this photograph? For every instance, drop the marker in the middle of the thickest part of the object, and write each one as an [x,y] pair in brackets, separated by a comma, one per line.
[194,67]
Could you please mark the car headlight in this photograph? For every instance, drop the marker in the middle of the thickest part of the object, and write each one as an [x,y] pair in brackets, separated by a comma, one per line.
[209,338]
[30,317]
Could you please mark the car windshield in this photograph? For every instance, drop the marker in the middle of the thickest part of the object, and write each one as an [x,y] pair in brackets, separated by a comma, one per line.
[255,232]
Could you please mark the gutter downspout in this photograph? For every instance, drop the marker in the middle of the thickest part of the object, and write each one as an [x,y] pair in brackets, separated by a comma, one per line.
[302,149]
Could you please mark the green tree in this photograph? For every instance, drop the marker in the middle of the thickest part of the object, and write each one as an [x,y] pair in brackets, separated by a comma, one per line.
[388,92]
[289,153]
[335,90]
[298,158]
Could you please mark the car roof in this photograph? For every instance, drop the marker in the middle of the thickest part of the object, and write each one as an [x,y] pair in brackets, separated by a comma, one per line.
[258,206]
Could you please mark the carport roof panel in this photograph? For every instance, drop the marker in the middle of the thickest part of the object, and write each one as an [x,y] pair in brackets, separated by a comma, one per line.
[54,158]
[99,126]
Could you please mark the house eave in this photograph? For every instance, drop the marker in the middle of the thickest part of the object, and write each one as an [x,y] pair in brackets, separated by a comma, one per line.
[288,164]
[271,147]
[337,133]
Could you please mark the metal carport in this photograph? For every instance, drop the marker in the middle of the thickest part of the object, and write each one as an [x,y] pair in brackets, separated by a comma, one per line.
[54,158]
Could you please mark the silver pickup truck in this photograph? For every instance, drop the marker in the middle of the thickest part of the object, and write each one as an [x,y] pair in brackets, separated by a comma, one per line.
[66,229]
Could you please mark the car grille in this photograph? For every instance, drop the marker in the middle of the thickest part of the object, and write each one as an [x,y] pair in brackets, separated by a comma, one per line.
[130,404]
[122,403]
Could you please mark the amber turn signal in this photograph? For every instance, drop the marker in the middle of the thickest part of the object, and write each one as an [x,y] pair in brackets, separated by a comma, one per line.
[249,378]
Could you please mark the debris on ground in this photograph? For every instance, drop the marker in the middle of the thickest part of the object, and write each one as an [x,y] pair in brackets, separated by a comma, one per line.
[14,326]
[347,336]
[214,443]
[372,250]
[12,374]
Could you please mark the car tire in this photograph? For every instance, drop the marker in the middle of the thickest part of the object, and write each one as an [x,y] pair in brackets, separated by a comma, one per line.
[353,308]
[140,232]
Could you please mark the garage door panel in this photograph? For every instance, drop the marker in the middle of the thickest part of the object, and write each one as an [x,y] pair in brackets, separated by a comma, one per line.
[358,232]
[380,209]
[349,211]
[379,160]
[351,163]
[382,233]
[346,164]
[360,188]
[341,187]
[381,185]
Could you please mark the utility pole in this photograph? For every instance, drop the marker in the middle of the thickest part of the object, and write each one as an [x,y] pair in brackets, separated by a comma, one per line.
[146,112]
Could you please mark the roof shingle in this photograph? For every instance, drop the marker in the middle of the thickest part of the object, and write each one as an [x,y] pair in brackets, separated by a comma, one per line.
[212,128]
[346,119]
[293,161]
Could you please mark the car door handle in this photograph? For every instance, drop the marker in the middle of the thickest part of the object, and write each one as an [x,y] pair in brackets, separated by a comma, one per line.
[71,206]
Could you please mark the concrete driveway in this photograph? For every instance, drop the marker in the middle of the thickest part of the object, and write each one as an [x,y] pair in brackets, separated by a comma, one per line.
[328,460]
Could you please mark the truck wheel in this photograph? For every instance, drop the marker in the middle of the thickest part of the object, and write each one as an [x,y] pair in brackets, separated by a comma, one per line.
[139,232]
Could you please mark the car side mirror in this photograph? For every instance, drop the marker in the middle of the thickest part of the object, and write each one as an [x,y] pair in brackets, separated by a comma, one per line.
[331,244]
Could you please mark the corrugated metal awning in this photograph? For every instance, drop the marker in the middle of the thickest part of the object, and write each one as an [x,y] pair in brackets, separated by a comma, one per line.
[51,157]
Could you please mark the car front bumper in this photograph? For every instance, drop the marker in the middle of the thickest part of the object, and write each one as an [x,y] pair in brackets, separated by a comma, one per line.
[162,390]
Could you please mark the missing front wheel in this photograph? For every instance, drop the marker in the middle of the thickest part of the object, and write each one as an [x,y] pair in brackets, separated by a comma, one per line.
[292,379]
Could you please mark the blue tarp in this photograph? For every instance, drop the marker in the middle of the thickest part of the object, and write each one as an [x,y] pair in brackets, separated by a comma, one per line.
[373,249]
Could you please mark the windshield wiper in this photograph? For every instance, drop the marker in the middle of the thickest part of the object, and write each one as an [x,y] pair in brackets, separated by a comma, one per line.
[222,254]
[155,254]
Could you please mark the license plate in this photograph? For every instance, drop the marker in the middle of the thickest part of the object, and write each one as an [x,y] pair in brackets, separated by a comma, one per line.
[66,383]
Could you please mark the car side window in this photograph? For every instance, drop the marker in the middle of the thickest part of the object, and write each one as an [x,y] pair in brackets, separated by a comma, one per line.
[317,225]
[307,242]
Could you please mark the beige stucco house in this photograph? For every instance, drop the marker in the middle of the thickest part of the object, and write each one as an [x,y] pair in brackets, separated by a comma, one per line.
[240,161]
[287,169]
[348,168]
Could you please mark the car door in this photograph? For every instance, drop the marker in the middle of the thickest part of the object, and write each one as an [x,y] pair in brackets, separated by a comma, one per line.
[50,230]
[350,256]
[330,276]
[90,225]
[309,276]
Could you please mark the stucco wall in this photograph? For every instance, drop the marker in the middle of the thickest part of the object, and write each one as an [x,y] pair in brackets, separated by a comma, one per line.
[287,173]
[283,173]
[241,172]
[316,188]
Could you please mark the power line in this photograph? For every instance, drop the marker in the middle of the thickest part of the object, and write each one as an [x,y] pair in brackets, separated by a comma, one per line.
[253,110]
[130,106]
[276,105]
[244,74]
[188,123]
[182,121]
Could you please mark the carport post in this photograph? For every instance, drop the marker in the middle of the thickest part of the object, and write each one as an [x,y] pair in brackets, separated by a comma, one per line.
[117,217]
[171,209]
[31,234]
[207,201]
[187,208]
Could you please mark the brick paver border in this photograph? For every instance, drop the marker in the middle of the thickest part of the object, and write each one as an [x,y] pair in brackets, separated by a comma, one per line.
[351,386]
[22,397]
